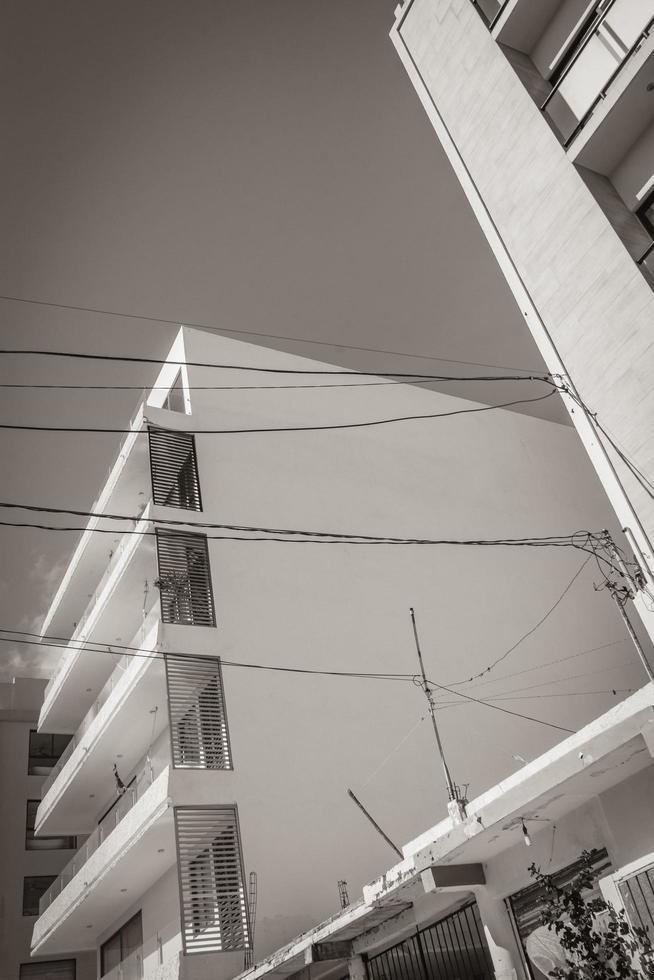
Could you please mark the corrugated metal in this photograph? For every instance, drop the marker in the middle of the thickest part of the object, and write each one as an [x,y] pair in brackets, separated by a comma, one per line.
[185,578]
[174,469]
[198,717]
[212,881]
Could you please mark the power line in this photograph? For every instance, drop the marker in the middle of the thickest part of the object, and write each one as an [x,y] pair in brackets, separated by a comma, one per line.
[175,522]
[529,632]
[16,636]
[354,384]
[569,677]
[547,663]
[60,643]
[538,697]
[250,333]
[290,428]
[506,711]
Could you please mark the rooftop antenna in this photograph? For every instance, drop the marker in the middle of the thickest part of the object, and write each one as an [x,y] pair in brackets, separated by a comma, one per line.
[248,959]
[456,803]
[375,824]
[342,894]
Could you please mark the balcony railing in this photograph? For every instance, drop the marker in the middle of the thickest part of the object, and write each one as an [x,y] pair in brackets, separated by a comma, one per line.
[594,65]
[114,678]
[131,968]
[125,544]
[107,825]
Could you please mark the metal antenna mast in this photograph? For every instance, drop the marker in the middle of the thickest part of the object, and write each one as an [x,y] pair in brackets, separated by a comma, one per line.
[452,792]
[343,895]
[248,959]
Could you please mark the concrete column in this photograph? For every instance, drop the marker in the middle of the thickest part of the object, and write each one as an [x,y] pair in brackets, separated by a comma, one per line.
[498,931]
[356,968]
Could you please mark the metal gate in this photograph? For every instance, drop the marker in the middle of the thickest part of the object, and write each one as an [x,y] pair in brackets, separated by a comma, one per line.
[452,949]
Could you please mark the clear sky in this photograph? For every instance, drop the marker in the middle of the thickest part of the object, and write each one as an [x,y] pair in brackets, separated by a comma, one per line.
[260,166]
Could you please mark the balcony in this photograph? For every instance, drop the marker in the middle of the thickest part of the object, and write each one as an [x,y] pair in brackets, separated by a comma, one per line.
[126,491]
[109,871]
[129,712]
[116,612]
[601,64]
[150,961]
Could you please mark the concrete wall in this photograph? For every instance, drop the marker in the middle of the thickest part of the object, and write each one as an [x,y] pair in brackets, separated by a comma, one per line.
[553,241]
[16,787]
[298,743]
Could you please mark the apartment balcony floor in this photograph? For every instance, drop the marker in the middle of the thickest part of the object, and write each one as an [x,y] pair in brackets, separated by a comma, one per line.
[115,614]
[124,865]
[130,714]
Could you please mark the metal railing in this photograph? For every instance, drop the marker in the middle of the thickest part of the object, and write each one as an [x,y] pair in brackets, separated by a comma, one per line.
[582,45]
[105,828]
[114,678]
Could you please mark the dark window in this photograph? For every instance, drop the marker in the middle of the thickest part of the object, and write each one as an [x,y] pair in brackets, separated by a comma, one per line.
[175,398]
[48,970]
[174,469]
[185,579]
[123,944]
[33,843]
[646,213]
[45,751]
[33,888]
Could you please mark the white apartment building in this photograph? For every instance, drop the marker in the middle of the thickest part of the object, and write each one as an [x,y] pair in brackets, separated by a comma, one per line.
[546,113]
[29,864]
[226,770]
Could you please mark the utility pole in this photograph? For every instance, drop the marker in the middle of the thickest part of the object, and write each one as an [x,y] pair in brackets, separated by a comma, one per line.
[620,594]
[455,806]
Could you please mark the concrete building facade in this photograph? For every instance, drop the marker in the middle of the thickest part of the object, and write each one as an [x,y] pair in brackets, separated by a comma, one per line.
[546,114]
[29,864]
[187,769]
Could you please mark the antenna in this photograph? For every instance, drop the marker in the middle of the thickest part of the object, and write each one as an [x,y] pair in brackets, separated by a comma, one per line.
[453,793]
[248,958]
[342,894]
[375,824]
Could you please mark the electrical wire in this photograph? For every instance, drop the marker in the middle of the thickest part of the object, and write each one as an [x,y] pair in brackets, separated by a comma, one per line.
[61,643]
[538,697]
[289,428]
[529,632]
[337,384]
[547,663]
[569,677]
[250,333]
[506,711]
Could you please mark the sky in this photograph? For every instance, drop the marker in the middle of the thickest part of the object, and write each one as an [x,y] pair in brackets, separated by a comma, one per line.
[256,166]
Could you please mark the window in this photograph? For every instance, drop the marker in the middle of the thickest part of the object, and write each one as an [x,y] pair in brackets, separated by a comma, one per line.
[198,718]
[174,469]
[33,888]
[214,910]
[646,213]
[174,400]
[184,579]
[48,970]
[637,893]
[527,904]
[33,843]
[123,944]
[45,751]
